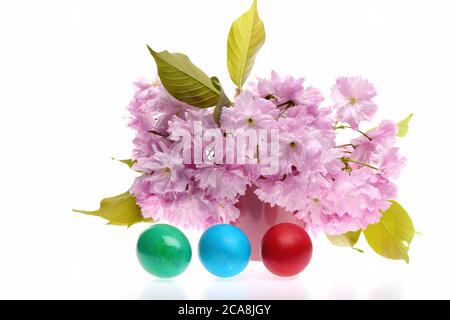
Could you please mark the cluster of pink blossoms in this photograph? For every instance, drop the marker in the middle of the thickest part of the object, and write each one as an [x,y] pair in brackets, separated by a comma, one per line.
[329,187]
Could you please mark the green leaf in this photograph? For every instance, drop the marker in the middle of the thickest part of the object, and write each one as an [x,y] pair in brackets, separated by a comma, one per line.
[392,235]
[128,162]
[246,37]
[216,83]
[348,239]
[403,126]
[184,81]
[120,210]
[223,100]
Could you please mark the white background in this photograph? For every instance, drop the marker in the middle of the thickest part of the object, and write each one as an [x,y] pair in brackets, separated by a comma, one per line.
[66,69]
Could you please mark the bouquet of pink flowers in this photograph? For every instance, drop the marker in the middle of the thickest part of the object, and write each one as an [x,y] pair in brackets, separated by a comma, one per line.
[198,152]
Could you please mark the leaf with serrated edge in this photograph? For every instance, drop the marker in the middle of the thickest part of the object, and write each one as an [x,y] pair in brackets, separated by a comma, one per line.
[392,235]
[403,126]
[184,81]
[246,37]
[120,210]
[348,239]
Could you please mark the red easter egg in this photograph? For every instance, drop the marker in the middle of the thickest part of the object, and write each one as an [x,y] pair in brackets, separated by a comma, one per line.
[286,249]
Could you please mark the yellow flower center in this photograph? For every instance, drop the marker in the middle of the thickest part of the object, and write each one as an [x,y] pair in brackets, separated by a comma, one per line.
[167,172]
[353,101]
[292,145]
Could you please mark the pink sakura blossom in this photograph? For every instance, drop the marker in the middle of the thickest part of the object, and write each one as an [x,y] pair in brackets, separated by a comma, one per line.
[376,143]
[152,107]
[348,203]
[250,111]
[142,106]
[378,149]
[283,90]
[329,188]
[189,209]
[353,100]
[145,144]
[274,189]
[186,209]
[222,182]
[393,163]
[303,145]
[292,152]
[184,121]
[361,195]
[165,171]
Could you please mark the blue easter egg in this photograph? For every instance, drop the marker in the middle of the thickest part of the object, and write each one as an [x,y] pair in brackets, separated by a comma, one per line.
[224,250]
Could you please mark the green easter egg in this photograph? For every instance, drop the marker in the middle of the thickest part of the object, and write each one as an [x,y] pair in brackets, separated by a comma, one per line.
[164,251]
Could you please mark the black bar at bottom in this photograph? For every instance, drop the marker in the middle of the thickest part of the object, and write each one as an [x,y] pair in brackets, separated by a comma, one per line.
[220,309]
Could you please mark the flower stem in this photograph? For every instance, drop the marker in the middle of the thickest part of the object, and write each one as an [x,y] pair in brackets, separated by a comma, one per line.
[363,164]
[347,160]
[346,145]
[157,133]
[287,104]
[348,127]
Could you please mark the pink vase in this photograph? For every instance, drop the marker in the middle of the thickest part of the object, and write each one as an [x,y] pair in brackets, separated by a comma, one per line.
[257,217]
